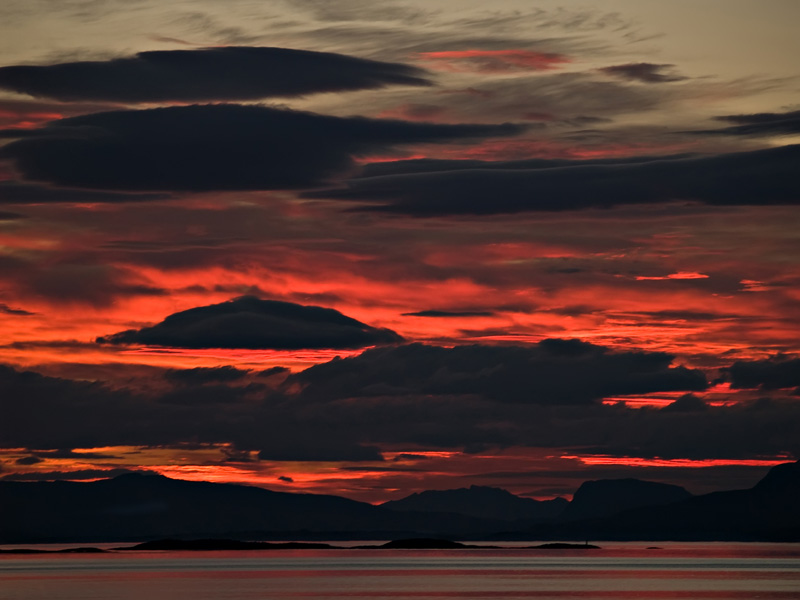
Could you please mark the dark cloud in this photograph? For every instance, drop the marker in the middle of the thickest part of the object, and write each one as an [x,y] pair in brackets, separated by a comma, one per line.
[11,216]
[686,403]
[735,432]
[433,165]
[28,460]
[234,455]
[309,448]
[286,479]
[46,412]
[248,322]
[348,420]
[408,456]
[80,475]
[759,124]
[215,147]
[273,371]
[70,453]
[769,374]
[644,72]
[219,395]
[449,313]
[23,394]
[74,282]
[551,372]
[201,375]
[13,192]
[472,421]
[229,73]
[7,310]
[762,177]
[373,469]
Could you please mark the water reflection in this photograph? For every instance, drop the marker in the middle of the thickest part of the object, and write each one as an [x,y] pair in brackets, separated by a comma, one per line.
[618,571]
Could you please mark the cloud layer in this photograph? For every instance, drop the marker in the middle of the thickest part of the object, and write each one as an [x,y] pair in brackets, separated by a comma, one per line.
[14,192]
[346,412]
[760,177]
[554,372]
[759,124]
[215,147]
[229,73]
[768,374]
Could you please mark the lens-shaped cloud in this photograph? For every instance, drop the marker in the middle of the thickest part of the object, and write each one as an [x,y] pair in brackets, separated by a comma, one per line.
[251,323]
[762,177]
[230,73]
[216,147]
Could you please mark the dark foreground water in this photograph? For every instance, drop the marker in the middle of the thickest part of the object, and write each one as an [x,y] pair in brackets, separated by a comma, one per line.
[617,571]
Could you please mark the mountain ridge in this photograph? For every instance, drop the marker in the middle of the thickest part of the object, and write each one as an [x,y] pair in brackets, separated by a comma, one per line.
[135,507]
[480,501]
[606,497]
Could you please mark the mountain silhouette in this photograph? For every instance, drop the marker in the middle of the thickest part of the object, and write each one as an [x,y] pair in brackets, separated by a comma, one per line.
[146,506]
[136,507]
[766,512]
[606,497]
[482,502]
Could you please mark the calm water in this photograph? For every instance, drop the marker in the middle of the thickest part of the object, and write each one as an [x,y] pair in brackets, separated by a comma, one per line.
[617,571]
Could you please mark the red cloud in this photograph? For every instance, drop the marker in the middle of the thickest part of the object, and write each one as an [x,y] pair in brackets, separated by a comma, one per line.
[678,275]
[493,61]
[29,120]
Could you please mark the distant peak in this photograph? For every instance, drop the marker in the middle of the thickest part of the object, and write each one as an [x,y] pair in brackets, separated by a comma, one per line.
[479,501]
[605,497]
[781,476]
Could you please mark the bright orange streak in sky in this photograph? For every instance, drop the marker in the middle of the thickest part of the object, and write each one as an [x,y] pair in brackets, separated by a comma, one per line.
[627,461]
[320,478]
[29,120]
[679,275]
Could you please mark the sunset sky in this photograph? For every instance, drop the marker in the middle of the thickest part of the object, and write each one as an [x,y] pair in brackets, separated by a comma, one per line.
[371,248]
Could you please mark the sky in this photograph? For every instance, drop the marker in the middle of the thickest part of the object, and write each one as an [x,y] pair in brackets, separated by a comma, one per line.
[373,248]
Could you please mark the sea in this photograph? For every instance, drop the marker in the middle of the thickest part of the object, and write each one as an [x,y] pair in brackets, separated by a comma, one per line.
[616,571]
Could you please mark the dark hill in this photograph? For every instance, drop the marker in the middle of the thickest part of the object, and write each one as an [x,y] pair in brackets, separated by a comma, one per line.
[783,480]
[482,502]
[143,507]
[606,497]
[766,512]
